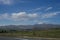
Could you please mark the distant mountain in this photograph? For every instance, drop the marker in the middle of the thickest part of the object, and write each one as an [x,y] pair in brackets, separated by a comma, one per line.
[33,27]
[45,26]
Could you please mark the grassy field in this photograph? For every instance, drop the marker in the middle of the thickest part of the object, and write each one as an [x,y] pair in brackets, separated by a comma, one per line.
[40,33]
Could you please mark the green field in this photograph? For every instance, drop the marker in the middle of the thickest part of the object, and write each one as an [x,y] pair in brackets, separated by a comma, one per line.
[55,33]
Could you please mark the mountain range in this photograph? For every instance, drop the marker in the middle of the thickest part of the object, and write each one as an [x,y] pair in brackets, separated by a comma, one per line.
[35,27]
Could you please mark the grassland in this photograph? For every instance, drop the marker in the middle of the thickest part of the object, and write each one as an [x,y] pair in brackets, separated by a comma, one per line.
[55,33]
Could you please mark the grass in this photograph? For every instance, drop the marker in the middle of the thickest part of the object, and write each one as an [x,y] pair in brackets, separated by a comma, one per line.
[37,33]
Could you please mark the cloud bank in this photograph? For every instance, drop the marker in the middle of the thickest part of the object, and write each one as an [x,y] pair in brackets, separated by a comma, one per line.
[27,16]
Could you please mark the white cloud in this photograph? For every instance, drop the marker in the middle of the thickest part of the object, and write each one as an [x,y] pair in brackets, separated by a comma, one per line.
[8,2]
[49,8]
[24,16]
[19,15]
[36,9]
[33,15]
[4,16]
[49,15]
[40,22]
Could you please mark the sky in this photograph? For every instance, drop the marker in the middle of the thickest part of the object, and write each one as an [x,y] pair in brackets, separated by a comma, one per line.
[29,12]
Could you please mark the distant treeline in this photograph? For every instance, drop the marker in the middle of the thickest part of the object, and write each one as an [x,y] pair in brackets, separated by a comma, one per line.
[6,31]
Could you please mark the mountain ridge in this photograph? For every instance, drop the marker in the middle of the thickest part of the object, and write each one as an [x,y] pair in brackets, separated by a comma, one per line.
[35,26]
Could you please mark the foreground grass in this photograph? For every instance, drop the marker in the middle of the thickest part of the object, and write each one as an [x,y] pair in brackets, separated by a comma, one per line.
[40,33]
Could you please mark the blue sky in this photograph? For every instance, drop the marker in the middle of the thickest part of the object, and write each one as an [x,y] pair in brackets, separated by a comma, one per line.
[27,12]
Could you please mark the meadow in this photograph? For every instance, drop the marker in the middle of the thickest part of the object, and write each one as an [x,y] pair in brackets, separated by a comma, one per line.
[52,33]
